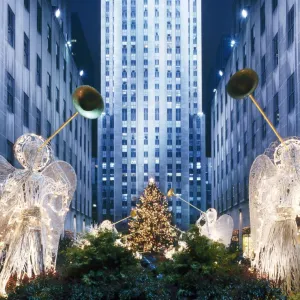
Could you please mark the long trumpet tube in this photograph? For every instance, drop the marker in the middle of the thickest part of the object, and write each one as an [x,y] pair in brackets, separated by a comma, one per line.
[58,130]
[266,118]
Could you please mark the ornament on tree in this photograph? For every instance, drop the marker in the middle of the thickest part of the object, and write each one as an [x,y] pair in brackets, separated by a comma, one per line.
[33,204]
[274,204]
[218,230]
[151,230]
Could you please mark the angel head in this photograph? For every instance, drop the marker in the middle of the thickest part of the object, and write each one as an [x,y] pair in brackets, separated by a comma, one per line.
[211,215]
[287,154]
[27,152]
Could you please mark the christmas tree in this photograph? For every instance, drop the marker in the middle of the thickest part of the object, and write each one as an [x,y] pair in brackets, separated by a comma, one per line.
[151,230]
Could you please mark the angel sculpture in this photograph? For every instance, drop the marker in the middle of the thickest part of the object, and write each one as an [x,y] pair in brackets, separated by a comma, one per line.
[107,225]
[218,230]
[274,205]
[33,204]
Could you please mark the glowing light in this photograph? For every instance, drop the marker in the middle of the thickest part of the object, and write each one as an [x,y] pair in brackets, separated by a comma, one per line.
[57,13]
[221,73]
[244,13]
[81,73]
[214,90]
[232,43]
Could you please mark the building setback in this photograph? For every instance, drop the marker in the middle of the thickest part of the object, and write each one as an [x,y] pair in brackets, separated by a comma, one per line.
[37,79]
[267,42]
[153,125]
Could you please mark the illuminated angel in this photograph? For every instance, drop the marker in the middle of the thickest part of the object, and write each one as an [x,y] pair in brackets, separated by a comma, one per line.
[33,204]
[218,230]
[274,205]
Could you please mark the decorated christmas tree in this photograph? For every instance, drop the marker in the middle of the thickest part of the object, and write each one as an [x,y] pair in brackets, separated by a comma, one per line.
[151,230]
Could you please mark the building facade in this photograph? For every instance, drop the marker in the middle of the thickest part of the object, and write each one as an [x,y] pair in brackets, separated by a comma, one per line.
[153,126]
[268,42]
[37,79]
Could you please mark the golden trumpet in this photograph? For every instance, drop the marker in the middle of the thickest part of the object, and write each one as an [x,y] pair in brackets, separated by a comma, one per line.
[88,103]
[132,215]
[171,193]
[241,85]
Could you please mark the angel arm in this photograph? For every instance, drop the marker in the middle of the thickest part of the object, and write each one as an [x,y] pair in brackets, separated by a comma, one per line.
[59,190]
[261,173]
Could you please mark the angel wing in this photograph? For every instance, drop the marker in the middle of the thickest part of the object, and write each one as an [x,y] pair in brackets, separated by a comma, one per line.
[60,185]
[223,230]
[260,186]
[11,190]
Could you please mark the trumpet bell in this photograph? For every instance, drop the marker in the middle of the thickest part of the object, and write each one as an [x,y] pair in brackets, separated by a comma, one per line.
[242,84]
[88,102]
[133,213]
[170,193]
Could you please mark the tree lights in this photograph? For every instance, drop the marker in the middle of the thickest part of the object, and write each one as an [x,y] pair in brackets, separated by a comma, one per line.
[151,229]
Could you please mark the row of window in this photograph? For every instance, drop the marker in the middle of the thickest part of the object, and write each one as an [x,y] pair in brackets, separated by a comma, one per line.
[11,41]
[276,117]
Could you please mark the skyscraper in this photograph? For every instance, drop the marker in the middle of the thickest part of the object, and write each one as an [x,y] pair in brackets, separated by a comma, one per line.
[37,78]
[153,125]
[266,41]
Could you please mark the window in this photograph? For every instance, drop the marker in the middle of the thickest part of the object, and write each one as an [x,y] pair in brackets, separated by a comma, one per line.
[38,71]
[276,109]
[27,5]
[291,93]
[10,85]
[10,27]
[263,70]
[146,114]
[76,129]
[49,86]
[169,114]
[178,114]
[290,25]
[156,114]
[64,110]
[39,18]
[124,114]
[263,125]
[262,19]
[38,121]
[71,84]
[49,38]
[26,51]
[48,129]
[245,143]
[275,51]
[244,56]
[253,39]
[10,152]
[25,110]
[57,100]
[274,4]
[65,70]
[57,55]
[253,134]
[133,114]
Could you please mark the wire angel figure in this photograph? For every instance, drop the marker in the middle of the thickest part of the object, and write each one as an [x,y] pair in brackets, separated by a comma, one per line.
[218,230]
[274,204]
[33,204]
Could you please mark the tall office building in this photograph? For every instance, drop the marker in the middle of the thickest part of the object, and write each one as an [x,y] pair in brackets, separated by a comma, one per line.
[267,41]
[153,125]
[37,78]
